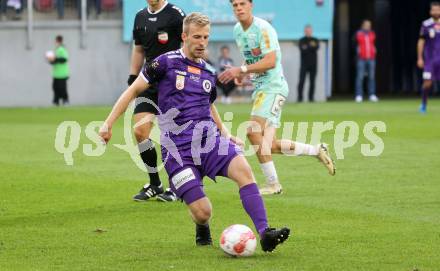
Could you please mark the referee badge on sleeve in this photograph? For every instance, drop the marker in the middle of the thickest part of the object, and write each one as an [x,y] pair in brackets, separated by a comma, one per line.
[162,37]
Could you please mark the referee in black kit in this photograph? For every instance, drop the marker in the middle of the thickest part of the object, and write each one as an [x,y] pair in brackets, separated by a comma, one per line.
[157,30]
[309,47]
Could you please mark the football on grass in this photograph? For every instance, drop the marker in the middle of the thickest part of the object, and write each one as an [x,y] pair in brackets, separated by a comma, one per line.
[238,240]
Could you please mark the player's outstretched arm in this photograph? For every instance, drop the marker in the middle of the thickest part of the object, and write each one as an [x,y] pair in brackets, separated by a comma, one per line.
[266,63]
[121,105]
[222,128]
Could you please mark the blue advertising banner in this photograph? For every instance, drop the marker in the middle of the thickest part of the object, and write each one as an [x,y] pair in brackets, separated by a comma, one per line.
[287,16]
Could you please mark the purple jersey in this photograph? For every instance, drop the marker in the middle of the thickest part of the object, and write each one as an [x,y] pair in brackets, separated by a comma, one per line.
[185,86]
[430,32]
[191,145]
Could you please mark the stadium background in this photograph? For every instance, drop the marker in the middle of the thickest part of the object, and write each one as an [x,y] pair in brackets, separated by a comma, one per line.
[100,46]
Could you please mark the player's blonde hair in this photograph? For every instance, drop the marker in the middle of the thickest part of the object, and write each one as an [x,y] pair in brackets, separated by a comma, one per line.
[196,18]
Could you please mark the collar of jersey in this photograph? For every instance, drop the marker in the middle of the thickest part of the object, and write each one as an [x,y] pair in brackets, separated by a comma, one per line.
[164,5]
[184,56]
[250,26]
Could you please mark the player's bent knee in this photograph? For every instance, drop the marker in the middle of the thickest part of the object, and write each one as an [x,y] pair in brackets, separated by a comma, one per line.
[141,133]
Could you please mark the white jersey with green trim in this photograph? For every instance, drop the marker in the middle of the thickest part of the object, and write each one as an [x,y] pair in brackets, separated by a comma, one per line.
[256,42]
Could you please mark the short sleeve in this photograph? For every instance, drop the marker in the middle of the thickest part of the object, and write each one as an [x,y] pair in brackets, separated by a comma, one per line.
[269,40]
[423,32]
[136,38]
[155,70]
[180,16]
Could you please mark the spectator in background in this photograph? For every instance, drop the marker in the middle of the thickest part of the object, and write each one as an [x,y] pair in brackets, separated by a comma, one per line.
[3,8]
[366,61]
[224,62]
[60,8]
[90,3]
[15,4]
[308,46]
[60,71]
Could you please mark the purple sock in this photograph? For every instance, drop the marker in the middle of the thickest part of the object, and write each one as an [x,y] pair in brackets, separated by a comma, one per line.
[254,206]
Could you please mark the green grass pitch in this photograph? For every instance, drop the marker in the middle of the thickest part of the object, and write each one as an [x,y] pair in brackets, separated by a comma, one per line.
[377,213]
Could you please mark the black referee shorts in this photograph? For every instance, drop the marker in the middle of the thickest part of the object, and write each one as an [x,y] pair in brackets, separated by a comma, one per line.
[146,102]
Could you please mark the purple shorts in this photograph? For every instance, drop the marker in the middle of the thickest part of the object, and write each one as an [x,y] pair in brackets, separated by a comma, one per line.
[187,172]
[432,70]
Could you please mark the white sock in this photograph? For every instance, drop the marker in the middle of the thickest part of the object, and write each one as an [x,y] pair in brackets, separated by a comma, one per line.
[269,172]
[305,149]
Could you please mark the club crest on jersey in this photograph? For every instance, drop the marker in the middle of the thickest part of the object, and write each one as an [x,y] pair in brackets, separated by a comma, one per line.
[432,33]
[207,86]
[180,82]
[162,37]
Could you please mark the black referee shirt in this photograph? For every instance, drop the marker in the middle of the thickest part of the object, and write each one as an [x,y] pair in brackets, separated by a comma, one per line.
[158,32]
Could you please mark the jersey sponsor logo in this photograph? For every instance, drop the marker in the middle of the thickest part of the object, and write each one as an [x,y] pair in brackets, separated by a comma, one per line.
[194,70]
[162,37]
[247,54]
[180,82]
[154,19]
[253,59]
[182,178]
[256,51]
[207,86]
[181,72]
[194,78]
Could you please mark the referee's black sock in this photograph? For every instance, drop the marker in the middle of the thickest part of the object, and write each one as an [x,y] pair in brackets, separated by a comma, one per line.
[149,157]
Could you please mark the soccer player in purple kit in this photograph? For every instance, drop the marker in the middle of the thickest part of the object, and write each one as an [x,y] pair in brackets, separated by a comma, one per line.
[188,121]
[428,52]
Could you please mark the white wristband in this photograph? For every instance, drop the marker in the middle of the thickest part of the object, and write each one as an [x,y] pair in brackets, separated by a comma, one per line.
[244,69]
